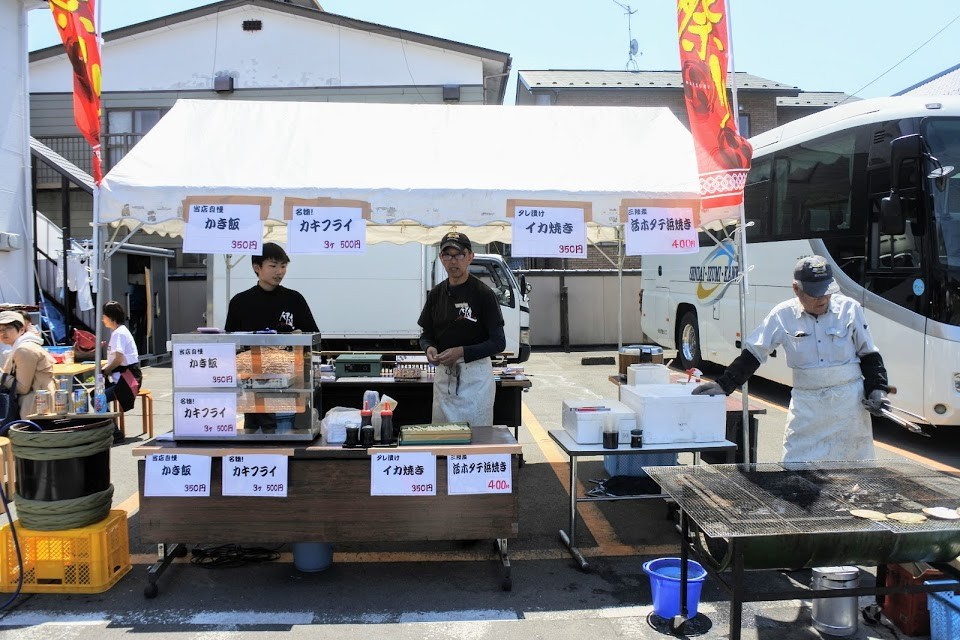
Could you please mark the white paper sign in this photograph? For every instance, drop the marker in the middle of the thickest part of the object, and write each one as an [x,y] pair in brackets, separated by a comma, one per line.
[205,365]
[326,230]
[549,232]
[223,228]
[205,414]
[176,474]
[660,231]
[403,474]
[479,473]
[260,474]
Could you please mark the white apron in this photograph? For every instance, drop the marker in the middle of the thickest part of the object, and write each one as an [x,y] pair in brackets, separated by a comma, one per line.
[826,419]
[464,393]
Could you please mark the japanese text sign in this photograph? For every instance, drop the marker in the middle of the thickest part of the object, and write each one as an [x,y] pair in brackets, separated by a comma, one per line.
[176,474]
[403,474]
[223,228]
[549,232]
[660,230]
[205,414]
[261,474]
[326,230]
[205,365]
[479,473]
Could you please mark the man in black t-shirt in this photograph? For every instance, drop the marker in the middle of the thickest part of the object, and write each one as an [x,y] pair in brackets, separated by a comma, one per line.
[462,327]
[267,305]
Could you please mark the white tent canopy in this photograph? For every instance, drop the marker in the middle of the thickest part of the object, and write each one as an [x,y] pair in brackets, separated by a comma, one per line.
[422,168]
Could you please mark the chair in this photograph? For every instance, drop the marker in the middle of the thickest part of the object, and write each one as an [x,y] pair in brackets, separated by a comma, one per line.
[146,409]
[9,468]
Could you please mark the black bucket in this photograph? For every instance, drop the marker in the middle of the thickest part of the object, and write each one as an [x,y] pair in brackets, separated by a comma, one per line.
[61,478]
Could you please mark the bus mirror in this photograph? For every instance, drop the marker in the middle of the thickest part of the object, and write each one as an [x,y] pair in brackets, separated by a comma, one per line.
[891,216]
[905,149]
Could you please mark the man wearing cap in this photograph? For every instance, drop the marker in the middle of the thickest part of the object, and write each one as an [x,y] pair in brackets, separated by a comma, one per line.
[462,327]
[29,364]
[838,374]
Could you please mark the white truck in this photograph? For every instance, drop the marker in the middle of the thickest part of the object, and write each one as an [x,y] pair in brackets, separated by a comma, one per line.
[371,302]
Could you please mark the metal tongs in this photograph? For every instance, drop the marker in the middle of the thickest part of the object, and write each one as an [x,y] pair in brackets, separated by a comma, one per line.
[888,413]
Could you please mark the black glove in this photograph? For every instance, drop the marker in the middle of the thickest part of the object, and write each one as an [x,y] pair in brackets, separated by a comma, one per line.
[877,402]
[738,372]
[708,389]
[874,373]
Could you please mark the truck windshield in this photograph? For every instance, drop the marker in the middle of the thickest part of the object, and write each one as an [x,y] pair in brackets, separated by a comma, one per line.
[943,137]
[497,278]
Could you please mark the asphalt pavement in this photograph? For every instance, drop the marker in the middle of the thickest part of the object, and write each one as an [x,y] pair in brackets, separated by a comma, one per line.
[435,589]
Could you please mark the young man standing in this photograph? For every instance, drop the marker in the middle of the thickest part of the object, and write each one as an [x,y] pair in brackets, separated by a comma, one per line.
[267,304]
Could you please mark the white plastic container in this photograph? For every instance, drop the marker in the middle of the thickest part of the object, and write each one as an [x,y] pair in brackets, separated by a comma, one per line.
[646,373]
[584,420]
[669,414]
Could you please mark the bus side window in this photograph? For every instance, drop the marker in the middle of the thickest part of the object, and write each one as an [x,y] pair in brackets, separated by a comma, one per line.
[757,196]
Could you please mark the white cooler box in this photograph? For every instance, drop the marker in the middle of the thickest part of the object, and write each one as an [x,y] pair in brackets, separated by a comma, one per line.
[585,426]
[668,414]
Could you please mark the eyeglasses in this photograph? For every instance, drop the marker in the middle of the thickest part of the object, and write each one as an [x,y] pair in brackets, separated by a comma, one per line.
[447,257]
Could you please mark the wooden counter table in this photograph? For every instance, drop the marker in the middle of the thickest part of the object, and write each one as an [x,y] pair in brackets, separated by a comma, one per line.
[328,500]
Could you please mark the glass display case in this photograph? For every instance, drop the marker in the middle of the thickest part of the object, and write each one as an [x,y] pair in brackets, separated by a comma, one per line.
[245,386]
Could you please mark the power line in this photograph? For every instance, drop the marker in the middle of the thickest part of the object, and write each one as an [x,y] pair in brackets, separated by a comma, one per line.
[902,60]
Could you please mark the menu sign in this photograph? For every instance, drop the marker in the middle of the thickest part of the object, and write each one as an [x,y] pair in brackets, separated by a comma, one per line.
[403,474]
[223,228]
[660,231]
[205,414]
[257,475]
[176,474]
[205,365]
[326,230]
[479,473]
[549,232]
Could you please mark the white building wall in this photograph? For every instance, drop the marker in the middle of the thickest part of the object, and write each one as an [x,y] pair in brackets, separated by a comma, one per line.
[289,51]
[15,265]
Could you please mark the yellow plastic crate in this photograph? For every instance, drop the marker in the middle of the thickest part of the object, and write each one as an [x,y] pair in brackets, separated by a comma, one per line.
[88,559]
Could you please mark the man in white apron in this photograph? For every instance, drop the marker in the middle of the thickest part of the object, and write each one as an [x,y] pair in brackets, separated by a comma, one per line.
[462,327]
[838,374]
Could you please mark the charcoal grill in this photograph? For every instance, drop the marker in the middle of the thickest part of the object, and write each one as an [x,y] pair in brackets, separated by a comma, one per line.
[795,515]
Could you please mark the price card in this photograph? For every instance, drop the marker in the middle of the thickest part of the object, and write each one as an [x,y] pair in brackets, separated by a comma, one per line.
[403,474]
[479,473]
[261,474]
[176,474]
[327,230]
[205,414]
[205,365]
[549,232]
[223,228]
[660,231]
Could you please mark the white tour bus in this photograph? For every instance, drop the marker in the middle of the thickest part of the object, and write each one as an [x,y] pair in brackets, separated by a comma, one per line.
[873,187]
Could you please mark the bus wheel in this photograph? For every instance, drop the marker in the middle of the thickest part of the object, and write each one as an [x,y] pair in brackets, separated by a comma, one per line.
[688,341]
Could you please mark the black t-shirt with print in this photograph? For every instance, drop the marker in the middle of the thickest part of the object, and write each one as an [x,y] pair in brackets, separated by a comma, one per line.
[257,309]
[465,315]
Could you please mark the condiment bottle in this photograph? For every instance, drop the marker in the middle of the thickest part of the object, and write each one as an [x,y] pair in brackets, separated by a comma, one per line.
[366,426]
[386,424]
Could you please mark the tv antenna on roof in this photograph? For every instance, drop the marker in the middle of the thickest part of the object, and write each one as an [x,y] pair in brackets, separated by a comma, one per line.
[634,47]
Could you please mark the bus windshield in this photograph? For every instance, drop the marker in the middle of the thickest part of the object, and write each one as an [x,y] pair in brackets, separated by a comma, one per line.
[943,137]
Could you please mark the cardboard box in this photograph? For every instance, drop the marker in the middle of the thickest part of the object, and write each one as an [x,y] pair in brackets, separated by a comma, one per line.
[584,420]
[669,414]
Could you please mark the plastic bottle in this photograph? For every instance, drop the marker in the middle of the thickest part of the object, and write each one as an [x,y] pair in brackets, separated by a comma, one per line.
[366,426]
[99,397]
[386,425]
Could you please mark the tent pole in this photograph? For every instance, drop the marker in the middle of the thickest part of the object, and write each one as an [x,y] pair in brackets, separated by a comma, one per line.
[620,252]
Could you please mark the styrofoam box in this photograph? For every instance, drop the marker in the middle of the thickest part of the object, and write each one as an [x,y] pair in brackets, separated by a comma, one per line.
[668,413]
[586,427]
[647,374]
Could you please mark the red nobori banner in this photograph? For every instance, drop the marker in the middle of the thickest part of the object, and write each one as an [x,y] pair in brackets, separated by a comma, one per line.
[77,29]
[723,156]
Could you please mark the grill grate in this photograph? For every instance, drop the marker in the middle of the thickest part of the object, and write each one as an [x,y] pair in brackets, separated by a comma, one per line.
[732,501]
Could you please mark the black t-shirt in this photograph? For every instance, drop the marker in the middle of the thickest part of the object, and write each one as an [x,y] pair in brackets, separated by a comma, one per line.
[281,309]
[466,315]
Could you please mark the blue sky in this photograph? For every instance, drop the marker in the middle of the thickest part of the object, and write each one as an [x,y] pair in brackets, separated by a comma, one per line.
[816,45]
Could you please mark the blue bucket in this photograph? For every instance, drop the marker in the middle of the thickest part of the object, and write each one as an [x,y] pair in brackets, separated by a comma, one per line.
[665,585]
[312,556]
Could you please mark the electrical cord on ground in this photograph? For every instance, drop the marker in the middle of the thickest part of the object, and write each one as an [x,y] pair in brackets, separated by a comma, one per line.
[227,556]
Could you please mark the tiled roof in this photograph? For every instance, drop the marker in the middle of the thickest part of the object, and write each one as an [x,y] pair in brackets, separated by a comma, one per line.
[815,99]
[595,79]
[944,83]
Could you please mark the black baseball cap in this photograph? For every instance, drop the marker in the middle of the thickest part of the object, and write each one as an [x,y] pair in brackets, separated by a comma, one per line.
[814,275]
[456,239]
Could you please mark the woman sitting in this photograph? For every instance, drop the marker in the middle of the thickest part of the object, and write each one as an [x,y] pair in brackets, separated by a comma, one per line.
[122,355]
[28,362]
